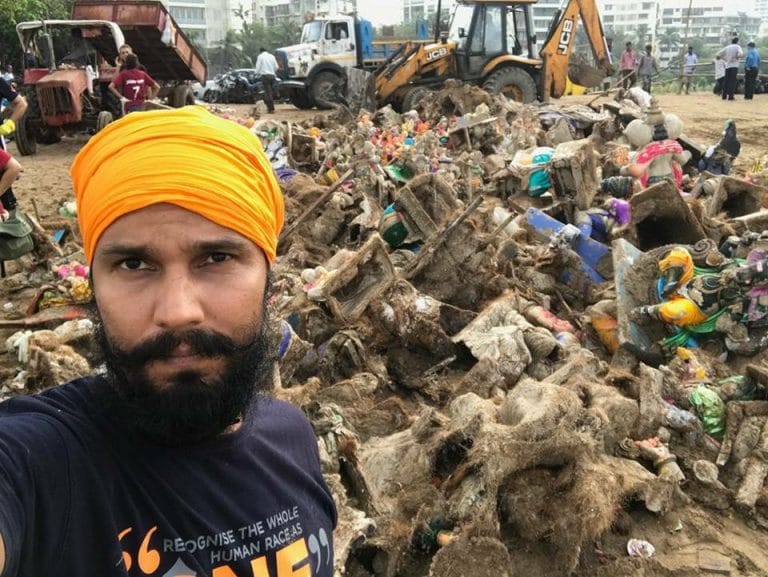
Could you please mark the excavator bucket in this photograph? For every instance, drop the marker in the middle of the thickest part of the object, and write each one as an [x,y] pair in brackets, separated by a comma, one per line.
[581,72]
[360,91]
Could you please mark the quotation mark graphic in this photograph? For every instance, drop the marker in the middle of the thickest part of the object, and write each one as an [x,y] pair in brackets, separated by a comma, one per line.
[317,544]
[147,559]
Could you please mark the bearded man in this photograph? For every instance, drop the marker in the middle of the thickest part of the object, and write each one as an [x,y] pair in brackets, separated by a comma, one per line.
[174,462]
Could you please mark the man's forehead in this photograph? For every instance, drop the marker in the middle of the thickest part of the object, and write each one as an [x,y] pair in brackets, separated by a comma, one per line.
[167,223]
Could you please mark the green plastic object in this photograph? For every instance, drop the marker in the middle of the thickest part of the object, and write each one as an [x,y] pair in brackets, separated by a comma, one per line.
[711,410]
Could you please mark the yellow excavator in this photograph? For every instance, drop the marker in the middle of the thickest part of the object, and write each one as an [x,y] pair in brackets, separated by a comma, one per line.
[491,43]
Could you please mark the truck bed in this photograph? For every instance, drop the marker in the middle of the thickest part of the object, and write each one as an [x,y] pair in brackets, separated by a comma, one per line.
[143,23]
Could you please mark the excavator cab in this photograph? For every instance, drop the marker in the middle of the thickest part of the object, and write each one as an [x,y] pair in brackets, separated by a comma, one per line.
[484,30]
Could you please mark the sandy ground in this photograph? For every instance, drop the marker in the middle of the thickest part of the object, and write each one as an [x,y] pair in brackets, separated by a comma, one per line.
[704,115]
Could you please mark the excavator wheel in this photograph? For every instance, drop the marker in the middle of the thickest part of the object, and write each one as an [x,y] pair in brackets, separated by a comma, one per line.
[514,83]
[413,97]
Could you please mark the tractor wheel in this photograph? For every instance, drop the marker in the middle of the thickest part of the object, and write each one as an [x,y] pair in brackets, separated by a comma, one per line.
[104,118]
[514,83]
[323,87]
[301,100]
[25,139]
[181,95]
[413,97]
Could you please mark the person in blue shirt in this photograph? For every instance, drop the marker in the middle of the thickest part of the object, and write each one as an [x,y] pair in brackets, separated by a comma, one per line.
[751,70]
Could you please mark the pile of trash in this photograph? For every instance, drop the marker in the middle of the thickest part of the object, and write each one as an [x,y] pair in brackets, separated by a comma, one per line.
[520,332]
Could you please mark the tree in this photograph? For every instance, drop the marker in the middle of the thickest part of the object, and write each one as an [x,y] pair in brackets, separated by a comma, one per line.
[14,11]
[227,52]
[670,39]
[641,35]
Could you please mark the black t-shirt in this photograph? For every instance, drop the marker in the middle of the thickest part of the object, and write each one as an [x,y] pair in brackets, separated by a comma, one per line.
[6,91]
[80,498]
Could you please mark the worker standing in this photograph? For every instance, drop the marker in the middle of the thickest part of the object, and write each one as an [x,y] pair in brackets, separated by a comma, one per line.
[266,69]
[18,106]
[731,54]
[133,86]
[719,74]
[647,68]
[751,70]
[627,66]
[689,67]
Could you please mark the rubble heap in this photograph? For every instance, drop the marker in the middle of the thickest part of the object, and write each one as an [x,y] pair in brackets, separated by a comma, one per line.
[523,335]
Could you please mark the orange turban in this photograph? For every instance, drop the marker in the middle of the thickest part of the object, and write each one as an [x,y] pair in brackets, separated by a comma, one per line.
[187,157]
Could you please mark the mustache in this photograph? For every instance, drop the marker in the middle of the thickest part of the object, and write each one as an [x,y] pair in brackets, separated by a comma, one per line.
[204,343]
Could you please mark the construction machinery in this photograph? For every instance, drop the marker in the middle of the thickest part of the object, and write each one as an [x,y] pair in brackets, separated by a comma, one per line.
[75,60]
[491,43]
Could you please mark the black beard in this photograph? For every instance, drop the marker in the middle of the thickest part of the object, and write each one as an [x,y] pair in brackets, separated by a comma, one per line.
[189,409]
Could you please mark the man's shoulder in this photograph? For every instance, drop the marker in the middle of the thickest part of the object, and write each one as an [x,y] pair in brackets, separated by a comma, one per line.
[63,405]
[278,415]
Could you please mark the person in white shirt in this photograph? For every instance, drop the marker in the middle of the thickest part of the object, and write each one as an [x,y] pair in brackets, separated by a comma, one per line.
[719,74]
[689,67]
[8,74]
[266,69]
[732,54]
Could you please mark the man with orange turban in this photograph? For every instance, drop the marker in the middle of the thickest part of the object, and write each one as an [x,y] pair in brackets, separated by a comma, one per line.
[175,461]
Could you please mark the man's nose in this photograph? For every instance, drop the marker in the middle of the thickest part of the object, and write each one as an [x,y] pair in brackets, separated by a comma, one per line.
[177,302]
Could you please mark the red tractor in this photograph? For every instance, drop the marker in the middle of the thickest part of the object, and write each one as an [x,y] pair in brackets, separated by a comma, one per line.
[70,63]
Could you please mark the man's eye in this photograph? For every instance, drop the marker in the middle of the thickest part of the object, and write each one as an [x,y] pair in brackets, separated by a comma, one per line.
[218,257]
[132,264]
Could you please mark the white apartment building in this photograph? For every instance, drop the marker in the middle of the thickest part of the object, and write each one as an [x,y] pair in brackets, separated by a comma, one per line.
[628,17]
[543,12]
[206,20]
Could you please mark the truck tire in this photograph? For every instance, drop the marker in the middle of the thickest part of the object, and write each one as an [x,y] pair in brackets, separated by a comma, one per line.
[104,118]
[413,97]
[301,100]
[181,95]
[25,140]
[322,89]
[514,83]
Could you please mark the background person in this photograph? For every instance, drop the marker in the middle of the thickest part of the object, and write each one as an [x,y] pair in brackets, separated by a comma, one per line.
[266,69]
[719,74]
[18,106]
[690,59]
[731,54]
[751,70]
[647,68]
[627,66]
[133,86]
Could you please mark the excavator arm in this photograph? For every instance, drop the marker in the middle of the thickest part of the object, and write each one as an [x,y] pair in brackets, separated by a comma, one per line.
[412,61]
[557,49]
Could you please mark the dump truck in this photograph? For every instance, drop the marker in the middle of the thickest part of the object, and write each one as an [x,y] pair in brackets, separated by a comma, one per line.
[330,45]
[75,60]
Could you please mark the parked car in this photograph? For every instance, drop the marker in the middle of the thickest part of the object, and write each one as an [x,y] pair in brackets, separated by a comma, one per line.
[238,86]
[202,91]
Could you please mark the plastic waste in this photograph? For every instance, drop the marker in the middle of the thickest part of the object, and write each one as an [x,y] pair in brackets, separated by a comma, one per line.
[711,410]
[640,548]
[679,419]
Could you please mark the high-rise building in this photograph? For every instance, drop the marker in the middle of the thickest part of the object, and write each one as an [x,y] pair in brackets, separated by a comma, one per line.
[635,20]
[206,21]
[543,13]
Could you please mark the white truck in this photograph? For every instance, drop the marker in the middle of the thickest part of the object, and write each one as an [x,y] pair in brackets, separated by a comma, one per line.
[329,45]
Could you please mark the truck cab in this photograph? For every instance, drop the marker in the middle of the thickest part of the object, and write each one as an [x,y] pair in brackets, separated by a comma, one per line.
[329,45]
